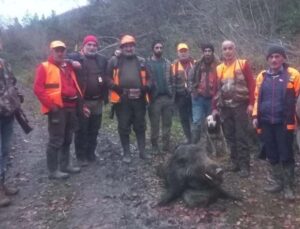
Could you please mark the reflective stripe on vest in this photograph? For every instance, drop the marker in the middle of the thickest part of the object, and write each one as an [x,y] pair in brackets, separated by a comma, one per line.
[53,85]
[114,97]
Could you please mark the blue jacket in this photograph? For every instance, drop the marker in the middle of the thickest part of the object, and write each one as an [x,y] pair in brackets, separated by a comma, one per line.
[275,97]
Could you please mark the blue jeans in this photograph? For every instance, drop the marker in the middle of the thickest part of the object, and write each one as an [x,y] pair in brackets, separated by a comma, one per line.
[6,130]
[201,107]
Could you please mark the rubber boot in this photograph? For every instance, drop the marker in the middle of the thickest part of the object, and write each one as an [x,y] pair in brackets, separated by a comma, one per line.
[166,145]
[187,133]
[126,148]
[90,154]
[65,165]
[288,181]
[244,170]
[277,184]
[196,134]
[52,159]
[52,163]
[4,200]
[141,142]
[155,148]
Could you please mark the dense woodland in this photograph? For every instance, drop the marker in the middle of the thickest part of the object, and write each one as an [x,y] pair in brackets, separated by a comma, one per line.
[252,24]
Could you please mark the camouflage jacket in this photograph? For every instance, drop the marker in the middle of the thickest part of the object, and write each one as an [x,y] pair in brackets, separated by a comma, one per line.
[9,96]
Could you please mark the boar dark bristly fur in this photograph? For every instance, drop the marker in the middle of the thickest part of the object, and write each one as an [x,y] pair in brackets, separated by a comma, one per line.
[191,174]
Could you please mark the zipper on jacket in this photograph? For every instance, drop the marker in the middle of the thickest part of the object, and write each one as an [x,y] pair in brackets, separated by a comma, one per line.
[273,95]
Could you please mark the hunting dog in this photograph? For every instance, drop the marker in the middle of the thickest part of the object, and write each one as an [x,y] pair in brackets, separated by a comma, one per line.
[215,136]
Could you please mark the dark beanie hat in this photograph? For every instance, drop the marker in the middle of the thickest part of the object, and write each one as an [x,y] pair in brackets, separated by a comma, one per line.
[276,49]
[207,46]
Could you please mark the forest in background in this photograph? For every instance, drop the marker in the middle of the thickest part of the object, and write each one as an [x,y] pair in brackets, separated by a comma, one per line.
[252,24]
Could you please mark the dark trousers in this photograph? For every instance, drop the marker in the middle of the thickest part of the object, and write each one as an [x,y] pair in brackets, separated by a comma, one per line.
[61,126]
[184,105]
[236,130]
[131,112]
[6,131]
[161,108]
[86,136]
[278,142]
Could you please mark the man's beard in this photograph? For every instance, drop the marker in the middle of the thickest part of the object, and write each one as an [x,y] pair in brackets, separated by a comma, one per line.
[158,54]
[208,60]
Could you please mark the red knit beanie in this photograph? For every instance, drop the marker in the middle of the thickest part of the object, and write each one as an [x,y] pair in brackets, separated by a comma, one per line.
[90,38]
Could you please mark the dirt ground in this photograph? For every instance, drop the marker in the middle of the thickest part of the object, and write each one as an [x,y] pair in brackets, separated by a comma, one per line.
[109,194]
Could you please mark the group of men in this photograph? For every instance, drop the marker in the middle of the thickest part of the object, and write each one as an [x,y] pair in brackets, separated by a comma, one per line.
[72,89]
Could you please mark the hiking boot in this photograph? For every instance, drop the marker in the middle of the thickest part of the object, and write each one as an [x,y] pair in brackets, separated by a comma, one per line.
[244,173]
[288,181]
[71,169]
[10,190]
[58,175]
[4,200]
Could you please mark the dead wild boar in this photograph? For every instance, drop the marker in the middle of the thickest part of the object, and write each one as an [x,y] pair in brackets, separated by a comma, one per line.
[190,174]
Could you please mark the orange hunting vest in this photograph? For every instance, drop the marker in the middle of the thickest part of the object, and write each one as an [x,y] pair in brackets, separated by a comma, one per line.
[233,85]
[53,85]
[114,97]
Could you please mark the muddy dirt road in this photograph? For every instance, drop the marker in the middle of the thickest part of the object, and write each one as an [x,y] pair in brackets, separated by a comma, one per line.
[109,194]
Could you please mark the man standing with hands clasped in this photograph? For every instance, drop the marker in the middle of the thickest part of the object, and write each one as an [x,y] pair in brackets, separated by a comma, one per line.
[277,89]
